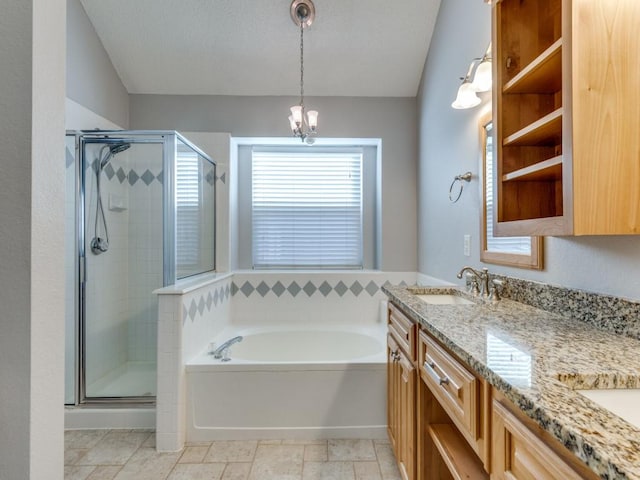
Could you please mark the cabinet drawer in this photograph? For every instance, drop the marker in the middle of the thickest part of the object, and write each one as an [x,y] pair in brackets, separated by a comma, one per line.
[518,454]
[403,331]
[455,388]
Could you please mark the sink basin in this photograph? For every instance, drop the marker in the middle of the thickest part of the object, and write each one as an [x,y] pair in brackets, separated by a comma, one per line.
[622,402]
[444,299]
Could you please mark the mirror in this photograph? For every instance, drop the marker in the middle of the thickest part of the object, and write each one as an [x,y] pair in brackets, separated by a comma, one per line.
[523,252]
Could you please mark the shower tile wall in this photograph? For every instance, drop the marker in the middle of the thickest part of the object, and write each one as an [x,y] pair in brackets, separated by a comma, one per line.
[144,262]
[107,281]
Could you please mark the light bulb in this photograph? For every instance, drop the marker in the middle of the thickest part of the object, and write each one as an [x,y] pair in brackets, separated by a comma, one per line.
[467,97]
[482,79]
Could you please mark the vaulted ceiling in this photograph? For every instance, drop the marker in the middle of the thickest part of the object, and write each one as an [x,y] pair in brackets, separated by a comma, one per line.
[251,47]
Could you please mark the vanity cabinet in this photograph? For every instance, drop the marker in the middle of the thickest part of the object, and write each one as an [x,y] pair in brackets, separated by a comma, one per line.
[521,452]
[452,416]
[401,391]
[566,113]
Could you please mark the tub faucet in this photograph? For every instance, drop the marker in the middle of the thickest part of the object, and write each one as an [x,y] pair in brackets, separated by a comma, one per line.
[481,277]
[221,353]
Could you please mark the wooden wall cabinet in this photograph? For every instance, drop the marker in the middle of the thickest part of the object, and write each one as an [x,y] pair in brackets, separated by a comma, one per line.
[401,391]
[567,114]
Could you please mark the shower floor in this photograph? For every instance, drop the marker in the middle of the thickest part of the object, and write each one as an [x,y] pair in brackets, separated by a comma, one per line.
[132,379]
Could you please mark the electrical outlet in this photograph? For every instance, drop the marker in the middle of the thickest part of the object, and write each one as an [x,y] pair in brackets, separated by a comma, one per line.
[467,245]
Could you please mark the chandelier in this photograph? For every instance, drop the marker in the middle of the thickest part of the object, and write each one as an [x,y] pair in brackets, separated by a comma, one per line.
[303,124]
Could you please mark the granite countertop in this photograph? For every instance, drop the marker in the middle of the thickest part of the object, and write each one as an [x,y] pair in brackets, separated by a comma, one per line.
[538,359]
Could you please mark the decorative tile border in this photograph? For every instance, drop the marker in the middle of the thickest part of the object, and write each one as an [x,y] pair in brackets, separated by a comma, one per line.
[309,288]
[614,314]
[208,302]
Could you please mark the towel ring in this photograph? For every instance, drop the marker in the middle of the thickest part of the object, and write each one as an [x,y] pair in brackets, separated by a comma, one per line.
[458,178]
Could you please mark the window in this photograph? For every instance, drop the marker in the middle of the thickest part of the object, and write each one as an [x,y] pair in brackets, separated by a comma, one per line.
[306,209]
[187,212]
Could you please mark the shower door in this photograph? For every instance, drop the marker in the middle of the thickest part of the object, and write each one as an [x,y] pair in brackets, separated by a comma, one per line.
[121,247]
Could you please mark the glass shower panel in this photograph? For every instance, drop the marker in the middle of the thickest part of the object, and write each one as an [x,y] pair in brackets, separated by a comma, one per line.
[70,268]
[195,212]
[123,222]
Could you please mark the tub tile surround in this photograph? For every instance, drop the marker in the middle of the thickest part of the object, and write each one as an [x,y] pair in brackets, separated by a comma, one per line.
[194,311]
[562,354]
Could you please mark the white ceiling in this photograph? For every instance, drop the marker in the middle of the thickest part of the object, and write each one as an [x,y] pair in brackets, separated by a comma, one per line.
[251,47]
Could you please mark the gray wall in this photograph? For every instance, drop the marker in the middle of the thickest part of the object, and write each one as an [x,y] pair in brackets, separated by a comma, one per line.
[449,145]
[32,55]
[392,119]
[92,80]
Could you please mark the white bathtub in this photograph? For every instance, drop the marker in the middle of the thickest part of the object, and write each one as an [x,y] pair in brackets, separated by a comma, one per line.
[291,382]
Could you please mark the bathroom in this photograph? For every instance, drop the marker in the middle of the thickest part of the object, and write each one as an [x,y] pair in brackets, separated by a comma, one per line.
[424,144]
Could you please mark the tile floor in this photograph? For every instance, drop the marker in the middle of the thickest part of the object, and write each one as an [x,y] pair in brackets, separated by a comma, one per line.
[131,455]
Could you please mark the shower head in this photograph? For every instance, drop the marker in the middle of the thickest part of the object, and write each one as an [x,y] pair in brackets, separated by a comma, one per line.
[113,150]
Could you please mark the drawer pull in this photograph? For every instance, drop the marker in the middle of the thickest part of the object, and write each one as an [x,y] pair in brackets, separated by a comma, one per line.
[430,367]
[395,355]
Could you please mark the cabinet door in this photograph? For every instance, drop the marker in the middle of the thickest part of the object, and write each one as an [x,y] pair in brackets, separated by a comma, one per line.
[393,387]
[518,454]
[407,418]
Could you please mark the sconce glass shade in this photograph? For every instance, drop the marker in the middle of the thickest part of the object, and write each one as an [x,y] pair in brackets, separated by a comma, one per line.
[467,97]
[312,117]
[482,80]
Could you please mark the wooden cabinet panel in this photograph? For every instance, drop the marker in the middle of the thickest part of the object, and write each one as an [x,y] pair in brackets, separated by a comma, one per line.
[403,330]
[518,454]
[453,385]
[566,92]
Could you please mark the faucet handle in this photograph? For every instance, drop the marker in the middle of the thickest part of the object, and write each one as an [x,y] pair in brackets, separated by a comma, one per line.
[494,293]
[474,288]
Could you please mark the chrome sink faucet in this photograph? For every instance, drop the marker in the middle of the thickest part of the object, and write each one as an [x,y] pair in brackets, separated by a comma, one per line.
[481,277]
[221,353]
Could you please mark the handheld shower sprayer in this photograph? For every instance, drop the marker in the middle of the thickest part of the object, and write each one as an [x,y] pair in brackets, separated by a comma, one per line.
[98,244]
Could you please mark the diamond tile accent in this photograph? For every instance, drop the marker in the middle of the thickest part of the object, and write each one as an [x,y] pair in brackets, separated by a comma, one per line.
[278,288]
[133,177]
[109,171]
[121,175]
[210,178]
[216,297]
[234,289]
[340,288]
[325,288]
[223,177]
[371,288]
[201,305]
[247,288]
[263,289]
[309,288]
[226,291]
[221,294]
[294,289]
[356,288]
[69,158]
[147,177]
[184,313]
[403,283]
[160,177]
[94,166]
[209,300]
[193,308]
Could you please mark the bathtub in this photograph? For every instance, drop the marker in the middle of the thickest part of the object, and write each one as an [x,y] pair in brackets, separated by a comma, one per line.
[290,382]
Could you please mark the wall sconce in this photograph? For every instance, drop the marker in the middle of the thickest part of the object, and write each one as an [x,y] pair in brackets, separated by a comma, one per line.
[474,82]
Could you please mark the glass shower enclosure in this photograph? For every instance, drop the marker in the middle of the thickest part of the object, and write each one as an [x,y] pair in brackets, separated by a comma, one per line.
[140,215]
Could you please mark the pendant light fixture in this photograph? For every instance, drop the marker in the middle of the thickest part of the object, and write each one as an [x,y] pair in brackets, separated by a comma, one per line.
[303,124]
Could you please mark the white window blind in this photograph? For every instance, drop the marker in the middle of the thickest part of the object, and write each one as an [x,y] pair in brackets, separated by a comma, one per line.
[306,210]
[187,211]
[517,245]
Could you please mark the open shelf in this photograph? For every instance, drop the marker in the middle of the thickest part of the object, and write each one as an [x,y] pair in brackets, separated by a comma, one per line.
[550,169]
[543,75]
[540,131]
[456,453]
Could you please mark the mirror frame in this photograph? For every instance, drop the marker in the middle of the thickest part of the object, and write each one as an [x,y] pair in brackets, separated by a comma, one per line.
[532,261]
